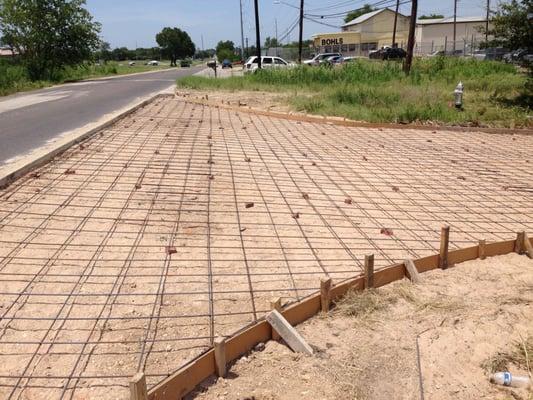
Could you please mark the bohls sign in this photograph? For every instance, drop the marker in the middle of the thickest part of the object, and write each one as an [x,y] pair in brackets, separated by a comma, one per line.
[332,41]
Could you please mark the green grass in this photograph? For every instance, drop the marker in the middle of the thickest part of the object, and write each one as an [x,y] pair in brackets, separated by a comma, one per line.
[381,92]
[13,76]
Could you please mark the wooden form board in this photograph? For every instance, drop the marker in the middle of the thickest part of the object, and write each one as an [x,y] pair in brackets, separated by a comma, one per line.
[187,378]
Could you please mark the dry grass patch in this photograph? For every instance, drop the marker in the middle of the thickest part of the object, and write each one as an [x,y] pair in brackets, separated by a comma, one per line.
[519,355]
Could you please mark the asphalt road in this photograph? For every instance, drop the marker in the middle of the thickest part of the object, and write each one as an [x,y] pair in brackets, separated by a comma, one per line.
[29,120]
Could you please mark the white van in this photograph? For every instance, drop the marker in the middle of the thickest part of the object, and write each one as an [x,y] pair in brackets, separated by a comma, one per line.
[266,62]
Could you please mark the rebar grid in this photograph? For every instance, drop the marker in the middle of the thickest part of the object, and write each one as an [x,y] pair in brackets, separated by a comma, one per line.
[180,222]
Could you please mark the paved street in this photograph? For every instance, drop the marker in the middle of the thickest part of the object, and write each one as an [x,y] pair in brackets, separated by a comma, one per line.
[29,120]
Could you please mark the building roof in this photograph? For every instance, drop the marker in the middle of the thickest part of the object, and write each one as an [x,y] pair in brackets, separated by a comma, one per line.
[367,16]
[449,20]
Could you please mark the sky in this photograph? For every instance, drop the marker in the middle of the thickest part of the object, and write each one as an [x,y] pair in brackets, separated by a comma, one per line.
[134,23]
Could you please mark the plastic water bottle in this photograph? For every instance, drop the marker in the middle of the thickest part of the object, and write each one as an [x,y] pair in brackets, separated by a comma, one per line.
[506,379]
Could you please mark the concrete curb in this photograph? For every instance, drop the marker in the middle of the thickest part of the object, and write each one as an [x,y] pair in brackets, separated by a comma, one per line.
[11,172]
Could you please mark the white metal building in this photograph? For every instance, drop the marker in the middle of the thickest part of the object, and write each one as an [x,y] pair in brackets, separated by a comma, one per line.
[437,34]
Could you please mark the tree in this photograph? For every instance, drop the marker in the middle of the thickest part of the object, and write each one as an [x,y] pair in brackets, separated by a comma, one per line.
[104,52]
[271,42]
[511,27]
[226,50]
[175,44]
[431,16]
[122,53]
[357,13]
[203,54]
[49,34]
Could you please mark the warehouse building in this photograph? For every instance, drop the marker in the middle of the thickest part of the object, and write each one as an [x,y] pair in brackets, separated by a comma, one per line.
[437,34]
[375,29]
[365,33]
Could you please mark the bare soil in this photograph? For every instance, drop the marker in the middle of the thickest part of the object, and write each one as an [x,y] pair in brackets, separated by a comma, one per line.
[464,319]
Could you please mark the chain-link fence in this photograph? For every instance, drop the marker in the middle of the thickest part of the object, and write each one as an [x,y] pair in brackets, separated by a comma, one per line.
[288,53]
[461,47]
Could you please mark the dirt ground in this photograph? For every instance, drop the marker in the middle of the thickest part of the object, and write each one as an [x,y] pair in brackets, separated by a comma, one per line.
[268,101]
[465,319]
[180,222]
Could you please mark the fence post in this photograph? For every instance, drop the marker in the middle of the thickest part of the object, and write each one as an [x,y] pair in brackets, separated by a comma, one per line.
[275,304]
[520,242]
[325,296]
[220,356]
[369,271]
[445,44]
[432,46]
[444,244]
[527,246]
[482,249]
[138,390]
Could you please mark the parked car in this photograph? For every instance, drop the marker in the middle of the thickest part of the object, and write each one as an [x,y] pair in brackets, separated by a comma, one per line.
[388,53]
[349,59]
[495,53]
[185,63]
[438,53]
[335,60]
[321,58]
[480,55]
[153,63]
[226,64]
[266,62]
[515,56]
[131,63]
[527,59]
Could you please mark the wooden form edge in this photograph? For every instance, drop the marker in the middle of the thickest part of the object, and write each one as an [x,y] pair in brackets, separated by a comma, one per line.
[350,123]
[186,379]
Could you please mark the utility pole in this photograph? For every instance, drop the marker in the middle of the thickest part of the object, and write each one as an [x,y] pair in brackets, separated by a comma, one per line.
[247,52]
[395,23]
[487,22]
[242,34]
[257,35]
[276,26]
[411,41]
[454,24]
[300,41]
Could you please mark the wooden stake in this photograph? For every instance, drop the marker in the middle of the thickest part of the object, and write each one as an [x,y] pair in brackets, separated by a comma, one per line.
[138,390]
[325,295]
[520,242]
[288,333]
[369,271]
[275,304]
[482,249]
[411,269]
[527,245]
[220,356]
[444,243]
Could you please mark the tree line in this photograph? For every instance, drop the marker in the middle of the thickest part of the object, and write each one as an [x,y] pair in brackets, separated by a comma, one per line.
[50,35]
